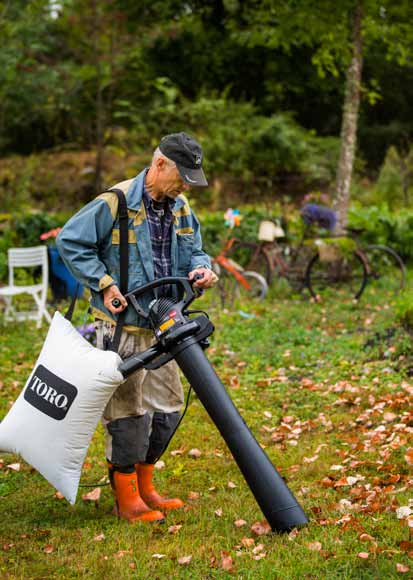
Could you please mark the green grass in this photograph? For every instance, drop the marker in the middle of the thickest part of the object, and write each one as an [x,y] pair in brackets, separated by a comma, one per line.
[313,382]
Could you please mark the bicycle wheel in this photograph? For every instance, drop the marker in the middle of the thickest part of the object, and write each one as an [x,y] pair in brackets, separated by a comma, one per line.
[344,277]
[385,268]
[251,257]
[258,287]
[231,291]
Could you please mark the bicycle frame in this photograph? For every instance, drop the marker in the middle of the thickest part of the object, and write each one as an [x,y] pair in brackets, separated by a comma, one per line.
[231,266]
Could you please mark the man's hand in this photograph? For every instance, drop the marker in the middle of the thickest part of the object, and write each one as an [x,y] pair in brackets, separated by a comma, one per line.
[208,277]
[109,294]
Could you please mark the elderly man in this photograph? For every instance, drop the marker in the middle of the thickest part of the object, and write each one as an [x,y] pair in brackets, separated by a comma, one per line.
[164,240]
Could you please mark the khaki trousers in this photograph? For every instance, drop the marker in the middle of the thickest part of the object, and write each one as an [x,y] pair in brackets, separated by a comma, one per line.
[144,410]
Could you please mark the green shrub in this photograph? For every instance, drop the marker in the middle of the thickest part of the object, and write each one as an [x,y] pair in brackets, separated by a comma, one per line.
[404,310]
[382,226]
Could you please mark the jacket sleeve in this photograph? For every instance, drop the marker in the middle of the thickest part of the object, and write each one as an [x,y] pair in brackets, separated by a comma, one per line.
[79,240]
[199,258]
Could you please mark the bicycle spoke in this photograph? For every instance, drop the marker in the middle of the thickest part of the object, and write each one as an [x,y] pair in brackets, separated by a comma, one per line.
[344,277]
[385,270]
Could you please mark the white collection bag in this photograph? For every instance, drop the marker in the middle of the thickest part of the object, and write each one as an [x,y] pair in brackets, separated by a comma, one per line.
[54,418]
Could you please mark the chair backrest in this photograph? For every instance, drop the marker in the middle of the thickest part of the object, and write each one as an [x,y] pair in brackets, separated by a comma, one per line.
[27,257]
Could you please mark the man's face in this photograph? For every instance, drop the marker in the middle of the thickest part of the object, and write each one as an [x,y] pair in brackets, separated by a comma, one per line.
[169,182]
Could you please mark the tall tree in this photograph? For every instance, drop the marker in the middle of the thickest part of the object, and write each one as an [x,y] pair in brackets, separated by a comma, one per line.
[349,124]
[337,33]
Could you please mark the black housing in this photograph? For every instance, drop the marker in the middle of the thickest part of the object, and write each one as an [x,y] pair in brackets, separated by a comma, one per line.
[185,343]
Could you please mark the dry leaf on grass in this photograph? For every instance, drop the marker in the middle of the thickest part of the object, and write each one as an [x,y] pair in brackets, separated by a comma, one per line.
[227,563]
[59,495]
[99,537]
[48,549]
[195,453]
[409,456]
[240,523]
[14,466]
[363,555]
[122,553]
[193,495]
[218,512]
[185,560]
[158,556]
[160,464]
[402,568]
[261,528]
[174,529]
[314,546]
[231,485]
[93,495]
[247,542]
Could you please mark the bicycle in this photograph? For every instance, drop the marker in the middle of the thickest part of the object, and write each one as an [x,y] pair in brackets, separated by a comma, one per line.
[341,266]
[376,266]
[236,283]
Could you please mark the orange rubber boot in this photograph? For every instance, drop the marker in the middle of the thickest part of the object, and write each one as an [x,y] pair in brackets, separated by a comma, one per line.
[129,504]
[148,491]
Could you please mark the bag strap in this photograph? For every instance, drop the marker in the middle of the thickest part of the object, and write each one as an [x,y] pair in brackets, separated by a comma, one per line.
[69,312]
[124,262]
[124,266]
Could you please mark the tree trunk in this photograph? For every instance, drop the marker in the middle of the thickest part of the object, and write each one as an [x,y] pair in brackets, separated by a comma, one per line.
[100,107]
[348,136]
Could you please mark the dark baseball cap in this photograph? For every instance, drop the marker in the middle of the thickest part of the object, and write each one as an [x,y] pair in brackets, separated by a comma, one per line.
[187,154]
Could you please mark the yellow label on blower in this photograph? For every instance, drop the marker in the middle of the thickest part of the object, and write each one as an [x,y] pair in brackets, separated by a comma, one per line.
[167,324]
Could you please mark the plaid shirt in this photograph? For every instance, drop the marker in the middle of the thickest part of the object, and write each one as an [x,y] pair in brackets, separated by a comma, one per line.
[160,219]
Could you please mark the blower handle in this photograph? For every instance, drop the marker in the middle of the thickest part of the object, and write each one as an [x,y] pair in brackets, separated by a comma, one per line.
[185,284]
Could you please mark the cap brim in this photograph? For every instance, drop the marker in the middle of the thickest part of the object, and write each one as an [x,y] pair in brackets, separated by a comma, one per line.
[195,177]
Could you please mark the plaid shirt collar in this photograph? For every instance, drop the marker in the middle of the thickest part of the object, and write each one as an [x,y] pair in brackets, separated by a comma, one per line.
[160,217]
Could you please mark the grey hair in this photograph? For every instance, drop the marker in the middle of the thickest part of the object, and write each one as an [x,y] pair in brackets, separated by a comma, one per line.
[158,154]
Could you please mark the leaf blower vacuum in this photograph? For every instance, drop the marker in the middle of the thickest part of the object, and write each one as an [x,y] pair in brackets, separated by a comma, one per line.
[184,338]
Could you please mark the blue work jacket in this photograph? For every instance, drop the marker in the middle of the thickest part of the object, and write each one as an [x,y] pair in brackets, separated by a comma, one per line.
[89,246]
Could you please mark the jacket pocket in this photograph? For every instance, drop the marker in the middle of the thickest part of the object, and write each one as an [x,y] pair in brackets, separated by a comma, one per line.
[185,246]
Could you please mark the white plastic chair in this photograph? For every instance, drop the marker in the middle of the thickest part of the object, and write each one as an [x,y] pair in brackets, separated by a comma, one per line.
[25,258]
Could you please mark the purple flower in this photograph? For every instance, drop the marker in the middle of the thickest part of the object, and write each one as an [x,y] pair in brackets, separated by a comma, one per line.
[88,331]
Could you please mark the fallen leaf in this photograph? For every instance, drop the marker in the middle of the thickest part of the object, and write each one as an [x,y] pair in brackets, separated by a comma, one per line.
[239,523]
[218,512]
[363,555]
[158,556]
[247,542]
[231,485]
[314,546]
[160,464]
[193,495]
[14,466]
[122,553]
[234,382]
[258,548]
[59,495]
[185,560]
[48,549]
[402,568]
[406,546]
[366,538]
[259,556]
[403,512]
[227,563]
[409,456]
[179,451]
[99,537]
[174,529]
[261,528]
[195,453]
[293,534]
[132,565]
[93,495]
